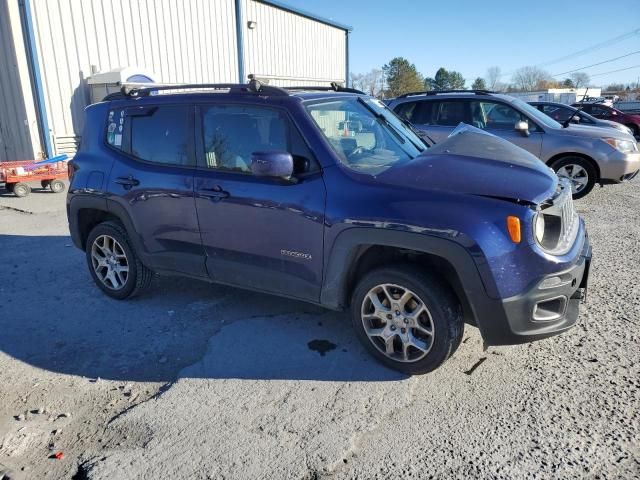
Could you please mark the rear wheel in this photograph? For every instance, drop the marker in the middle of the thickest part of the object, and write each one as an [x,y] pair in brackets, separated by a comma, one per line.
[57,186]
[21,189]
[113,263]
[406,319]
[579,171]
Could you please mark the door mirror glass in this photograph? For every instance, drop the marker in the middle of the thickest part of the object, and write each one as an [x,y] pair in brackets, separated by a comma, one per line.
[522,127]
[272,164]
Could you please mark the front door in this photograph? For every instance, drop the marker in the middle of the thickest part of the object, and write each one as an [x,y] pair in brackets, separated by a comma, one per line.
[500,119]
[152,183]
[257,232]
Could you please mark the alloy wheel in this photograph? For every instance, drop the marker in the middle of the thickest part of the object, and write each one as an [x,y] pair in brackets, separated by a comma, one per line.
[397,322]
[577,175]
[110,262]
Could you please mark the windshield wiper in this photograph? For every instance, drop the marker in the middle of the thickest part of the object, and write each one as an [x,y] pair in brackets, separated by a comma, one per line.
[388,124]
[417,132]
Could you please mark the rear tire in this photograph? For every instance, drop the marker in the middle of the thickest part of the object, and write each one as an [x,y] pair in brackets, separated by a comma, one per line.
[21,189]
[113,263]
[57,186]
[394,328]
[579,171]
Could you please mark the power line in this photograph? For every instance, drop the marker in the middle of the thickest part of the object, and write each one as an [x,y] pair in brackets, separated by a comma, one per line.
[614,71]
[596,64]
[597,46]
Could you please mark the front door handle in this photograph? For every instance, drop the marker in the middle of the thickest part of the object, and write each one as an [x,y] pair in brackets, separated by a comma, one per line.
[215,194]
[128,182]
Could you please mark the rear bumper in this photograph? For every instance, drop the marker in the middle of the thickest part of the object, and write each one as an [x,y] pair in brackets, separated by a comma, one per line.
[548,308]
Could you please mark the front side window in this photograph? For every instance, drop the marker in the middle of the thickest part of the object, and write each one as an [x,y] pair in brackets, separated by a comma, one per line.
[497,116]
[365,135]
[231,133]
[559,114]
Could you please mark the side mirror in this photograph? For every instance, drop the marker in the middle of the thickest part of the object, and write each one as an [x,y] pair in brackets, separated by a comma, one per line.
[272,164]
[614,113]
[522,127]
[575,119]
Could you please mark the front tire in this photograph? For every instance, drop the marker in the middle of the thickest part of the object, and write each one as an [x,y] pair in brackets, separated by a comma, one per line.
[407,319]
[579,171]
[113,263]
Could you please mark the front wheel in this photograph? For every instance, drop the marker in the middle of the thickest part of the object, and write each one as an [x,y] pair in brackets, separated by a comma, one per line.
[579,171]
[408,320]
[113,263]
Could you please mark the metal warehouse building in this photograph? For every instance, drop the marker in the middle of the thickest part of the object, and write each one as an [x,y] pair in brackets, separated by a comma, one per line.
[49,50]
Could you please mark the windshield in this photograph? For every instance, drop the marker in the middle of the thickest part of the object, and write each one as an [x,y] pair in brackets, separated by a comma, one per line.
[364,133]
[536,114]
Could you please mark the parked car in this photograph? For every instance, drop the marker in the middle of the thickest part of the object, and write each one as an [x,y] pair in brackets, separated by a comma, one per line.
[585,155]
[599,110]
[562,113]
[261,188]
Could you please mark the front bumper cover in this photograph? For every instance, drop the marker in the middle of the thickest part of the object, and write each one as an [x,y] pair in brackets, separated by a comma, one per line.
[548,308]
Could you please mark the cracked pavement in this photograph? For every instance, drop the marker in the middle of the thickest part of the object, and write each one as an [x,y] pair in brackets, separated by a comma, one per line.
[201,381]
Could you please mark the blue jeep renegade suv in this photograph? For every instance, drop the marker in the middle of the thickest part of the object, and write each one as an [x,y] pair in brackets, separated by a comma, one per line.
[324,195]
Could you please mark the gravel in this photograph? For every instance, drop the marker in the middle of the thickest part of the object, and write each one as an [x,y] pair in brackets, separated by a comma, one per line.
[204,381]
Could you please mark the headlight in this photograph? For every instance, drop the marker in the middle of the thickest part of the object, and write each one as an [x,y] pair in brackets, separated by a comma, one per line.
[624,146]
[538,228]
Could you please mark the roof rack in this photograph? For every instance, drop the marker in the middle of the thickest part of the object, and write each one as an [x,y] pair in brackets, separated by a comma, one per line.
[334,87]
[437,92]
[253,87]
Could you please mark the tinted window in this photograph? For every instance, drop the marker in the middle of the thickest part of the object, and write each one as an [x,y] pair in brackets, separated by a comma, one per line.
[160,134]
[559,114]
[416,112]
[450,113]
[599,111]
[231,133]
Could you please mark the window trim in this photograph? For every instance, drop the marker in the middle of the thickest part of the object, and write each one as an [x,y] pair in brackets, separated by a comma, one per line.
[127,126]
[201,163]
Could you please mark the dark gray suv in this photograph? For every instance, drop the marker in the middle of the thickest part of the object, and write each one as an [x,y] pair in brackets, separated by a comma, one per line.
[583,154]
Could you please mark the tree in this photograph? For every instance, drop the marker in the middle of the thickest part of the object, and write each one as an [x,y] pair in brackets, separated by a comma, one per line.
[568,83]
[402,77]
[479,84]
[493,78]
[580,79]
[370,82]
[529,79]
[445,80]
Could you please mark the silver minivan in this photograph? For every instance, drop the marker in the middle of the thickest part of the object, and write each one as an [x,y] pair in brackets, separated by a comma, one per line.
[583,154]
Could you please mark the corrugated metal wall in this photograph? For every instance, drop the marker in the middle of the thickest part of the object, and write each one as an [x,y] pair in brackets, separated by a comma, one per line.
[178,40]
[18,123]
[292,48]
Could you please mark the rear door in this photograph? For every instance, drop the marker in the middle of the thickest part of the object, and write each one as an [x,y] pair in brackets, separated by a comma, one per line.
[152,183]
[257,232]
[436,118]
[500,119]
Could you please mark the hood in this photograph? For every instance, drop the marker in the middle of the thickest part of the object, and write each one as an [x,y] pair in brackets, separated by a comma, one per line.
[591,132]
[474,162]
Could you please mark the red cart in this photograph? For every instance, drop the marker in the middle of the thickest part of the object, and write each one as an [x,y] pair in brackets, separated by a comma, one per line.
[16,176]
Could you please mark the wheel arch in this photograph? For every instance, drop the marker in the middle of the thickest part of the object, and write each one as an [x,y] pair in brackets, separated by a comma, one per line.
[359,250]
[589,159]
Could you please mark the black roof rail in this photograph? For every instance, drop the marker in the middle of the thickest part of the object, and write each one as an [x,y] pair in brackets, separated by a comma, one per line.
[436,92]
[253,87]
[334,87]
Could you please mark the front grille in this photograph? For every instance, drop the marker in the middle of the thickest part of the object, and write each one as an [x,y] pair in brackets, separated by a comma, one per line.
[563,221]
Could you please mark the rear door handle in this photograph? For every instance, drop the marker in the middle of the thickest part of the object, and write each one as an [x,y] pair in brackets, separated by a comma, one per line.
[216,193]
[128,182]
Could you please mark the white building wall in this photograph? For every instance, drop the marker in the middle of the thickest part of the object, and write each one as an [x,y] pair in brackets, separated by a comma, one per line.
[19,137]
[290,48]
[179,40]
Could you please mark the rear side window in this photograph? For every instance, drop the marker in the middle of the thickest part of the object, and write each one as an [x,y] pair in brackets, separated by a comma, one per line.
[157,134]
[450,114]
[416,112]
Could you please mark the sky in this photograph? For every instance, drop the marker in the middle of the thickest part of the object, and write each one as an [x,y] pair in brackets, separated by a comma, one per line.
[470,36]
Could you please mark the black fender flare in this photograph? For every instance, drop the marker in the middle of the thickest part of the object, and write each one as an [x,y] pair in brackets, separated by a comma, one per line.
[474,275]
